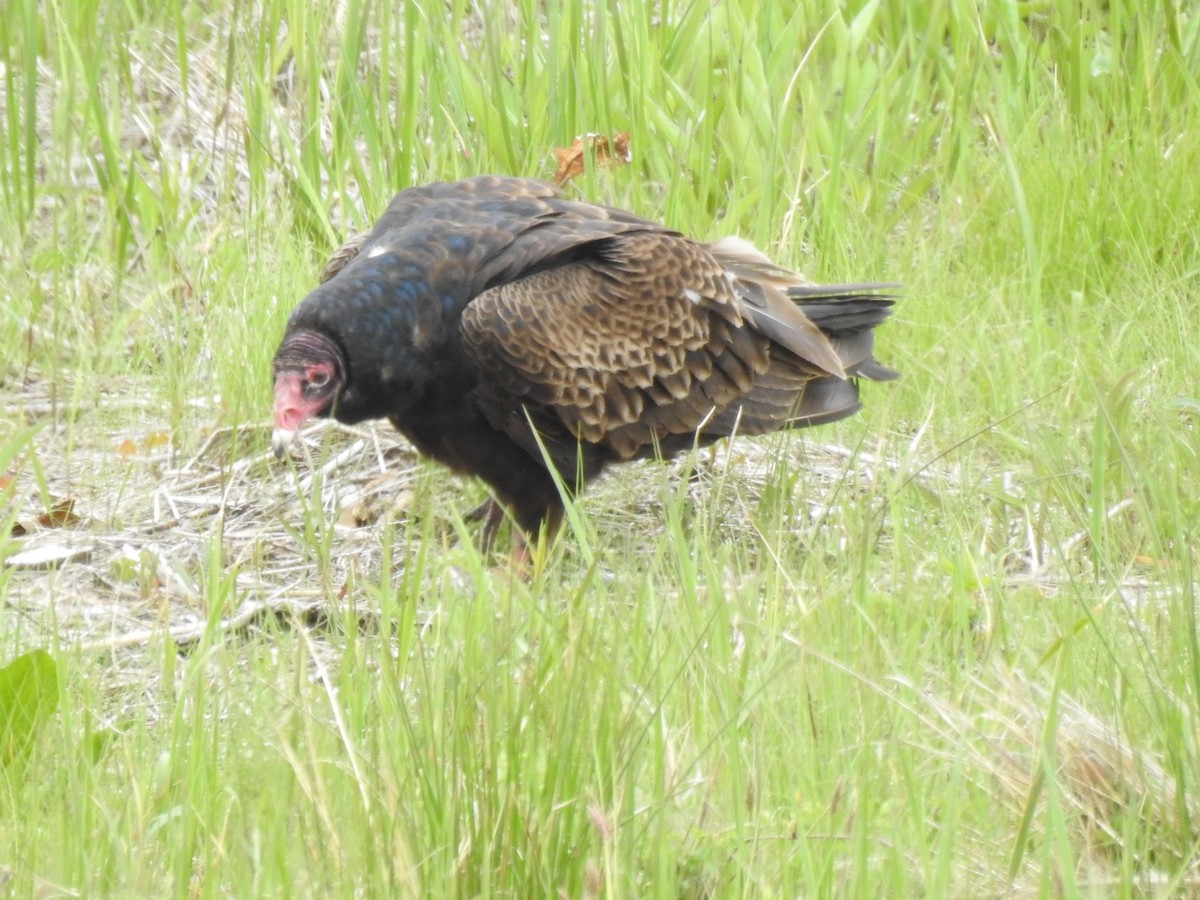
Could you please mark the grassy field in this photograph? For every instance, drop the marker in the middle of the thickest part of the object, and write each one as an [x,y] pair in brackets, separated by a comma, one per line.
[945,648]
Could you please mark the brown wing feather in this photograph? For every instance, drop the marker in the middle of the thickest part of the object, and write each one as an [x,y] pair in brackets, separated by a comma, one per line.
[343,255]
[642,340]
[650,338]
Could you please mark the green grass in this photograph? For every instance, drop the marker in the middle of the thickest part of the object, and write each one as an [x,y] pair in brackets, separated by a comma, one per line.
[962,661]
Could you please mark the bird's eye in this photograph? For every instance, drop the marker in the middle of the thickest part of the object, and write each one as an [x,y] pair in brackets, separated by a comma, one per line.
[316,382]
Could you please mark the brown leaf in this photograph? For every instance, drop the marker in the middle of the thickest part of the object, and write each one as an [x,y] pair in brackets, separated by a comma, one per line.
[127,448]
[570,159]
[60,515]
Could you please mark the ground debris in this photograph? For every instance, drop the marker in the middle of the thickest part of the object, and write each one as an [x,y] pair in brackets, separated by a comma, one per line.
[148,544]
[48,556]
[144,557]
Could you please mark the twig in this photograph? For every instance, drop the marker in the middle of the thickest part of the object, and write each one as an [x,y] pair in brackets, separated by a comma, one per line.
[184,635]
[337,462]
[1070,544]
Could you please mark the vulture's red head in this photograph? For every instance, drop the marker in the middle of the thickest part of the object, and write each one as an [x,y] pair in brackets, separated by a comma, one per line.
[309,374]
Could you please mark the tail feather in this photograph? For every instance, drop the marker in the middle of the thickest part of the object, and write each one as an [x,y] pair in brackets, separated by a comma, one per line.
[867,290]
[827,326]
[874,370]
[846,315]
[824,400]
[825,340]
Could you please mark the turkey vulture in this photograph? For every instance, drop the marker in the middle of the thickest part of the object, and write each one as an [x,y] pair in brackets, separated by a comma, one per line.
[501,326]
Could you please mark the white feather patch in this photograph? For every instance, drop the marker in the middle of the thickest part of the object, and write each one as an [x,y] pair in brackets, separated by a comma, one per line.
[734,246]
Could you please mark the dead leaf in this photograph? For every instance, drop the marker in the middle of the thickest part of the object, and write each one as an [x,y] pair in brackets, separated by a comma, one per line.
[350,516]
[570,160]
[375,506]
[157,439]
[127,448]
[60,515]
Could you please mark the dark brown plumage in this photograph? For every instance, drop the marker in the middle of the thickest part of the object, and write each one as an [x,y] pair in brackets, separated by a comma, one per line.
[497,324]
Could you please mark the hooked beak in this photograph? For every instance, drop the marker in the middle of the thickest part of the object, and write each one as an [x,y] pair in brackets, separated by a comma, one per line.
[281,439]
[291,411]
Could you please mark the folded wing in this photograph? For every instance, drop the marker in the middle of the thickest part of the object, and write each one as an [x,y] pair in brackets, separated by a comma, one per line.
[646,341]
